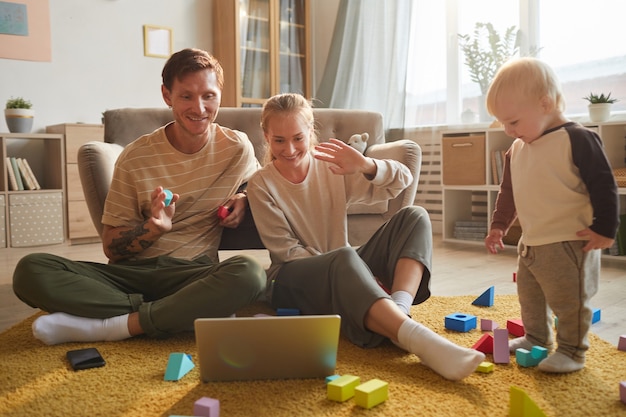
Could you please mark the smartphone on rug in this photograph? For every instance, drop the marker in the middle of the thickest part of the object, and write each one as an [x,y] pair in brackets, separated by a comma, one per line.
[85,358]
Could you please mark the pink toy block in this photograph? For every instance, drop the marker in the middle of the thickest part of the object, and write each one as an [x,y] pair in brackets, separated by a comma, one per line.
[521,405]
[207,407]
[484,344]
[515,327]
[342,388]
[527,359]
[488,325]
[371,393]
[621,345]
[501,346]
[622,391]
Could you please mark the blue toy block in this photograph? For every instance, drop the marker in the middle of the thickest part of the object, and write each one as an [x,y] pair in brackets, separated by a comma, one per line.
[486,298]
[460,322]
[330,378]
[527,359]
[287,312]
[521,405]
[206,407]
[178,365]
[596,315]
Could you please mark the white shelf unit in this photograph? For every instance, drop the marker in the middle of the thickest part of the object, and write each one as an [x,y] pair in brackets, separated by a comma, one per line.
[477,202]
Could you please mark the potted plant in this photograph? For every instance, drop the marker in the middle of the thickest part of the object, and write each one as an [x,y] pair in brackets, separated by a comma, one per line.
[599,106]
[19,115]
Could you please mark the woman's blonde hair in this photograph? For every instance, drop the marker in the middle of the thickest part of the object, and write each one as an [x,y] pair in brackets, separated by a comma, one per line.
[288,103]
[527,79]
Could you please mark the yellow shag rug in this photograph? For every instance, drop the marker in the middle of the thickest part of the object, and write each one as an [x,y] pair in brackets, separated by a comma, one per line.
[35,380]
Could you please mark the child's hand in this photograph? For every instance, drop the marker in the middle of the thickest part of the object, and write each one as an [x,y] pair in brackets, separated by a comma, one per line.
[493,241]
[595,241]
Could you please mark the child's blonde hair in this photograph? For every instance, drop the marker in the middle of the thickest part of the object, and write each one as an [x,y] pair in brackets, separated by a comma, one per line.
[527,79]
[288,103]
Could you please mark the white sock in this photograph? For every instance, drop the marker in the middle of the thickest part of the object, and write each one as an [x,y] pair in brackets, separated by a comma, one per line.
[58,328]
[520,343]
[404,300]
[438,353]
[560,363]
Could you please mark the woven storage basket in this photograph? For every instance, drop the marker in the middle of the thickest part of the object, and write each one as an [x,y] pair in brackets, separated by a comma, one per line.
[620,176]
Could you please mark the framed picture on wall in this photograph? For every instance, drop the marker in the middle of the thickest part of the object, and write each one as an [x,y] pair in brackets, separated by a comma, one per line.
[157,41]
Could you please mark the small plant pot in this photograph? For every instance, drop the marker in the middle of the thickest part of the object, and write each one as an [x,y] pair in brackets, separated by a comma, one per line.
[19,120]
[599,112]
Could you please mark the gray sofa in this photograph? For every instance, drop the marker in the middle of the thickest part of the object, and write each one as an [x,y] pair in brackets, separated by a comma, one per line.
[96,161]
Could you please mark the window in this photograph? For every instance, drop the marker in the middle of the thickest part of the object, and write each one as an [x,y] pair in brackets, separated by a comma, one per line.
[583,44]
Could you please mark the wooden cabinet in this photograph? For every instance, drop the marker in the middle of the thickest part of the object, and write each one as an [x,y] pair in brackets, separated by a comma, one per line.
[80,226]
[32,215]
[264,48]
[467,208]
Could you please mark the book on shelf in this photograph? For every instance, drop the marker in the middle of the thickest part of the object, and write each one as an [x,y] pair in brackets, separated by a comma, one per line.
[30,182]
[18,176]
[11,174]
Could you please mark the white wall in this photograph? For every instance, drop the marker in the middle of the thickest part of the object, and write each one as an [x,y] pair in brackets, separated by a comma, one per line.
[97,58]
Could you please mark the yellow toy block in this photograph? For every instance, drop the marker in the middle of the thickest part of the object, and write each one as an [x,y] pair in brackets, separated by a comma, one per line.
[371,393]
[342,388]
[521,405]
[485,367]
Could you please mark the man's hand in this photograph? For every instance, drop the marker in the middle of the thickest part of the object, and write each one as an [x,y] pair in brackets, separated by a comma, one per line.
[594,240]
[162,214]
[237,205]
[493,241]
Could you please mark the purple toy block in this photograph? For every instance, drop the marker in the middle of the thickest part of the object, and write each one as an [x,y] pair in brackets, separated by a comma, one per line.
[621,345]
[488,325]
[207,407]
[501,346]
[460,322]
[622,391]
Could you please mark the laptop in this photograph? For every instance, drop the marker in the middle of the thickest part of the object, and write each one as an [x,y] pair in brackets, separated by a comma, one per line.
[267,347]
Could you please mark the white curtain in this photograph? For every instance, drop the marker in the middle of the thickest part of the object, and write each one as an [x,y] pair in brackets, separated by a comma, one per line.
[367,62]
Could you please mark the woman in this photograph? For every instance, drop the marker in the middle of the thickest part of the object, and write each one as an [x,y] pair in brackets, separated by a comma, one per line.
[302,195]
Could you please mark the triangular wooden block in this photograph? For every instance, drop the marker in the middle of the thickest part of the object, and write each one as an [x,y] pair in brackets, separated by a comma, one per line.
[521,405]
[484,344]
[178,365]
[486,298]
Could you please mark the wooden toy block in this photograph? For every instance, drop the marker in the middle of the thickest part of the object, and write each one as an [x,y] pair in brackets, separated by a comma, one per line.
[622,391]
[515,327]
[371,393]
[485,367]
[178,365]
[488,325]
[521,405]
[501,346]
[527,359]
[331,378]
[207,407]
[287,312]
[460,322]
[621,344]
[342,388]
[514,276]
[597,313]
[484,344]
[486,298]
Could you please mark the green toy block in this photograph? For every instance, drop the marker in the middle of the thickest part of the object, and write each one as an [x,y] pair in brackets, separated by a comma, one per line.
[526,358]
[521,405]
[342,388]
[178,365]
[371,393]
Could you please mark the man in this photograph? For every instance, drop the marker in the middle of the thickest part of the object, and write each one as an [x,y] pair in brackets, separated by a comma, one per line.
[163,271]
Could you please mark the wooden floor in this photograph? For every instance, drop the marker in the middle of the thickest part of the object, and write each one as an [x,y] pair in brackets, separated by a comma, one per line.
[457,270]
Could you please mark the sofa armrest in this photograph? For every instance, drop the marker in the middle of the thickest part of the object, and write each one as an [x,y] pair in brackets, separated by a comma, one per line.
[410,154]
[96,161]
